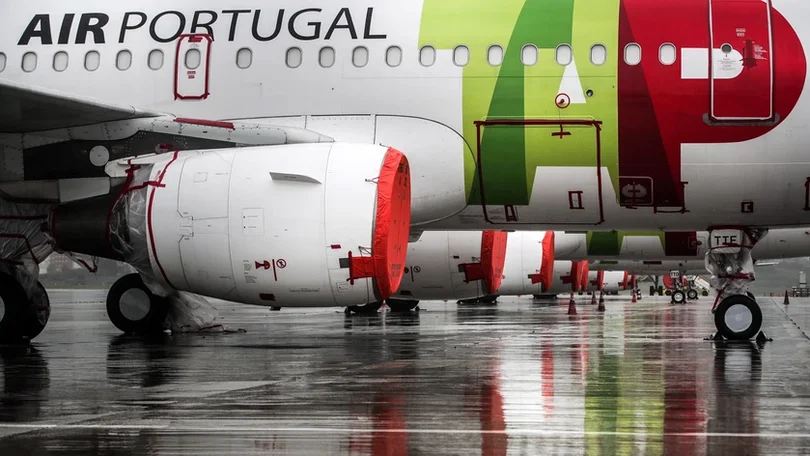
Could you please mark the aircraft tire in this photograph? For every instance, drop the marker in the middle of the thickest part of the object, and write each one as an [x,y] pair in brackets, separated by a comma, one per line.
[133,308]
[12,309]
[40,313]
[678,297]
[738,317]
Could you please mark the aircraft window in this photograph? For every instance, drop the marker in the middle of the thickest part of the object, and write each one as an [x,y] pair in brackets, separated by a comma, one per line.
[294,57]
[326,57]
[632,54]
[461,55]
[667,54]
[2,62]
[529,55]
[427,56]
[123,60]
[60,61]
[495,55]
[29,62]
[598,54]
[564,54]
[193,59]
[156,59]
[244,58]
[393,56]
[92,60]
[360,56]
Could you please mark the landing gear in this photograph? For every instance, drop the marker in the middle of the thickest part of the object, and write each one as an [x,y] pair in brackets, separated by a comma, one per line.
[21,318]
[133,308]
[678,297]
[401,305]
[737,315]
[365,309]
[692,294]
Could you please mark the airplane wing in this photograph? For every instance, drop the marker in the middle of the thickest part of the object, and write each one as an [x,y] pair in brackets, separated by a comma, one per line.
[25,108]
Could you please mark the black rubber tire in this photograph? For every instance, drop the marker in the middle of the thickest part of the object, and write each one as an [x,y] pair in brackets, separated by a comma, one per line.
[692,294]
[40,308]
[365,309]
[14,306]
[678,297]
[401,305]
[652,290]
[751,295]
[150,323]
[720,317]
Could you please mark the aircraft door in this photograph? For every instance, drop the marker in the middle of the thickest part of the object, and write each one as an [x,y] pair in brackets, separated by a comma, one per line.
[191,67]
[741,76]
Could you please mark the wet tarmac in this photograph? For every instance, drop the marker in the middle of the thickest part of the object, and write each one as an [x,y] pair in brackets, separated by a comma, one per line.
[520,377]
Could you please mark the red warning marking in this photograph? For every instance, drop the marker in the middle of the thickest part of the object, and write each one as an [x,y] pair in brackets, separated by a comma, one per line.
[281,263]
[562,100]
[263,265]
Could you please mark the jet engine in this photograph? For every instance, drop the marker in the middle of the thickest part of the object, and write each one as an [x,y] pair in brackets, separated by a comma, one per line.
[290,225]
[454,265]
[529,265]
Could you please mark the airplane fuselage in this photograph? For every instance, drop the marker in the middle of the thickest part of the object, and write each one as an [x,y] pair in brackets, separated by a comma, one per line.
[618,114]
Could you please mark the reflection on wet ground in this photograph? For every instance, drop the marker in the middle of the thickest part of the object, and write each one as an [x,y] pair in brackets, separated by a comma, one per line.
[520,377]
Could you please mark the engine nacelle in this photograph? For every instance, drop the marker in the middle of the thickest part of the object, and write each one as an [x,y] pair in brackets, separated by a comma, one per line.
[454,265]
[616,281]
[293,225]
[529,265]
[568,276]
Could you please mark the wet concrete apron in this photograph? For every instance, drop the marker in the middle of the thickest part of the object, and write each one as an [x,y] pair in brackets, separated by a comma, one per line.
[520,376]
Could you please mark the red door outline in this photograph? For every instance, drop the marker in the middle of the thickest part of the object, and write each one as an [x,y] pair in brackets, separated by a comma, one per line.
[180,68]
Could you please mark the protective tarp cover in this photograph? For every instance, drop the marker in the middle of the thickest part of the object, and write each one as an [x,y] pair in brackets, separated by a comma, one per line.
[493,256]
[731,272]
[576,275]
[583,275]
[127,226]
[547,263]
[599,283]
[191,313]
[392,223]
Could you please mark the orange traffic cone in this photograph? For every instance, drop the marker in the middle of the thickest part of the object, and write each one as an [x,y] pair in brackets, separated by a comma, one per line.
[787,298]
[601,307]
[572,307]
[593,298]
[635,297]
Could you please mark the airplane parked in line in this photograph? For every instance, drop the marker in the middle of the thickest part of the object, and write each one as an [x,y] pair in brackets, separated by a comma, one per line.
[234,150]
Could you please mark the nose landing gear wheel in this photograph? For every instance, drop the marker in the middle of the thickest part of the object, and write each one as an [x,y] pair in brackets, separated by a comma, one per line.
[692,294]
[678,297]
[133,308]
[738,317]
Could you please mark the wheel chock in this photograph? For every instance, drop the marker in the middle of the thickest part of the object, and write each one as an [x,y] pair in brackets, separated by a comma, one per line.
[762,338]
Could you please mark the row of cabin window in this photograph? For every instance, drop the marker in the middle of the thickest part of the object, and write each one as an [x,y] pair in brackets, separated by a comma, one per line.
[461,55]
[360,56]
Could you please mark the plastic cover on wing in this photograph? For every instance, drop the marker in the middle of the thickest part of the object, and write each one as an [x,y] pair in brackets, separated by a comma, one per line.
[391,227]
